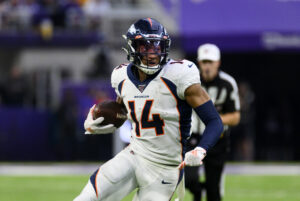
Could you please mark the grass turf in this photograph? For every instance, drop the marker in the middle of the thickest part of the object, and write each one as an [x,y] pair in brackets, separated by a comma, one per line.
[63,188]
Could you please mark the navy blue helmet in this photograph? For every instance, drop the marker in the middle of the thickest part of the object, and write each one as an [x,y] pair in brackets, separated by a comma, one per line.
[147,33]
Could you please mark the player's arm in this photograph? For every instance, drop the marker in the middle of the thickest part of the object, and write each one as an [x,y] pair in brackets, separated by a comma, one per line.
[204,108]
[195,95]
[199,100]
[231,119]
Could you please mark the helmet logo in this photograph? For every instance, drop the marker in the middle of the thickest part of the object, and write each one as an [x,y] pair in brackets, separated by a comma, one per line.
[132,29]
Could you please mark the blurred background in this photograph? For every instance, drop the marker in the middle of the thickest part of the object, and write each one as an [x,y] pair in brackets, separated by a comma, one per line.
[56,57]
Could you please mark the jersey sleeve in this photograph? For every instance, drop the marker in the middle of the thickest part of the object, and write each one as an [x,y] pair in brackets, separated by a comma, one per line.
[187,76]
[117,77]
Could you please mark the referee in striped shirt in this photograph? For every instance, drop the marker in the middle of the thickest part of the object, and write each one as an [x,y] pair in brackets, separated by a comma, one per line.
[223,91]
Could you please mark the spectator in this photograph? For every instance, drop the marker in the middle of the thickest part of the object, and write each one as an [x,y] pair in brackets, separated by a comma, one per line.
[72,14]
[27,8]
[66,143]
[10,14]
[95,10]
[101,63]
[15,89]
[48,10]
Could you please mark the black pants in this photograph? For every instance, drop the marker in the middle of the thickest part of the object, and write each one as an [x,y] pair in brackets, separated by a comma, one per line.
[213,167]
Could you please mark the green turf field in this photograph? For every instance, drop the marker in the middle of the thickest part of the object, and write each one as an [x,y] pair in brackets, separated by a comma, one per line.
[64,188]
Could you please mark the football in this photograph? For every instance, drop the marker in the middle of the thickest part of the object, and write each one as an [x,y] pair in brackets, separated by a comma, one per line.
[113,113]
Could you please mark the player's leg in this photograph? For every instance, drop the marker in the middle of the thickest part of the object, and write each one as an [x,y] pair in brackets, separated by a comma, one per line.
[213,173]
[112,181]
[180,190]
[156,183]
[213,166]
[87,194]
[123,189]
[192,181]
[192,173]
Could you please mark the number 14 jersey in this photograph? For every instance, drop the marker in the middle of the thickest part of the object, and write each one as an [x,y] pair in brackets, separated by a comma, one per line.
[160,116]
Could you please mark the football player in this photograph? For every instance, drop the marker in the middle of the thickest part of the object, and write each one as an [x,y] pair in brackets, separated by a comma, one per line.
[159,94]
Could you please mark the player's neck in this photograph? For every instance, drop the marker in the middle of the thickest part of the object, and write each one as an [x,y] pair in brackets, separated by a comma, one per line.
[142,76]
[209,78]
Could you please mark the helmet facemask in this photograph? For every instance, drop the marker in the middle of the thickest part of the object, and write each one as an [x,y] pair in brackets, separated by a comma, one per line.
[149,54]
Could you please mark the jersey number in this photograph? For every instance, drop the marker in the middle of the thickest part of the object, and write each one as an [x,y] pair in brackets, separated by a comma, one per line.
[157,123]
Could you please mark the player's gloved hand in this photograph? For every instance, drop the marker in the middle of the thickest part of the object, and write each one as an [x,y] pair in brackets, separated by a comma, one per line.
[194,157]
[92,126]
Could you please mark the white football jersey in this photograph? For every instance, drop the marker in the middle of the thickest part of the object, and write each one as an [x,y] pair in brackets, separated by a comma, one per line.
[160,117]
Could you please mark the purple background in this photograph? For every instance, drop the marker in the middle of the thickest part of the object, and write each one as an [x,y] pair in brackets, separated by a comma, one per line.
[235,24]
[28,134]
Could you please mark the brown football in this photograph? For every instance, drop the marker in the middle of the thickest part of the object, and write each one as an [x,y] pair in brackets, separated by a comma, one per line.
[113,113]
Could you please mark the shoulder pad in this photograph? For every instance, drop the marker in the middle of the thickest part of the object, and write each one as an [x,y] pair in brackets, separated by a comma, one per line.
[118,75]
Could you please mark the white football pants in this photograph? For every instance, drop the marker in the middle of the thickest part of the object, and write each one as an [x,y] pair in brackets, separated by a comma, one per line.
[127,171]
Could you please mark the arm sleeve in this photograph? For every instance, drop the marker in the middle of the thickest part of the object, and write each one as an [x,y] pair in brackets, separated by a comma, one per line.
[214,127]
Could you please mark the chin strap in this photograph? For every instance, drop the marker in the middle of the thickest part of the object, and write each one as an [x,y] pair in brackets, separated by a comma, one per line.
[147,69]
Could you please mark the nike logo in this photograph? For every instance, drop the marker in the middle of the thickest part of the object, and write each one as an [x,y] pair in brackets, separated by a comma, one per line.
[190,65]
[164,182]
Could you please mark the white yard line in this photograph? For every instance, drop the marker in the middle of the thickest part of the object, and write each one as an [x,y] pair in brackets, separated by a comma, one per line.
[83,169]
[263,169]
[47,169]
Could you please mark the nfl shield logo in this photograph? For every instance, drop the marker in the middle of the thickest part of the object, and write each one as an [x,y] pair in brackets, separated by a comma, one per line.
[141,87]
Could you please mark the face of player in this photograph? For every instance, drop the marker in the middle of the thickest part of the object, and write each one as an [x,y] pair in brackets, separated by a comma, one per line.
[209,69]
[150,51]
